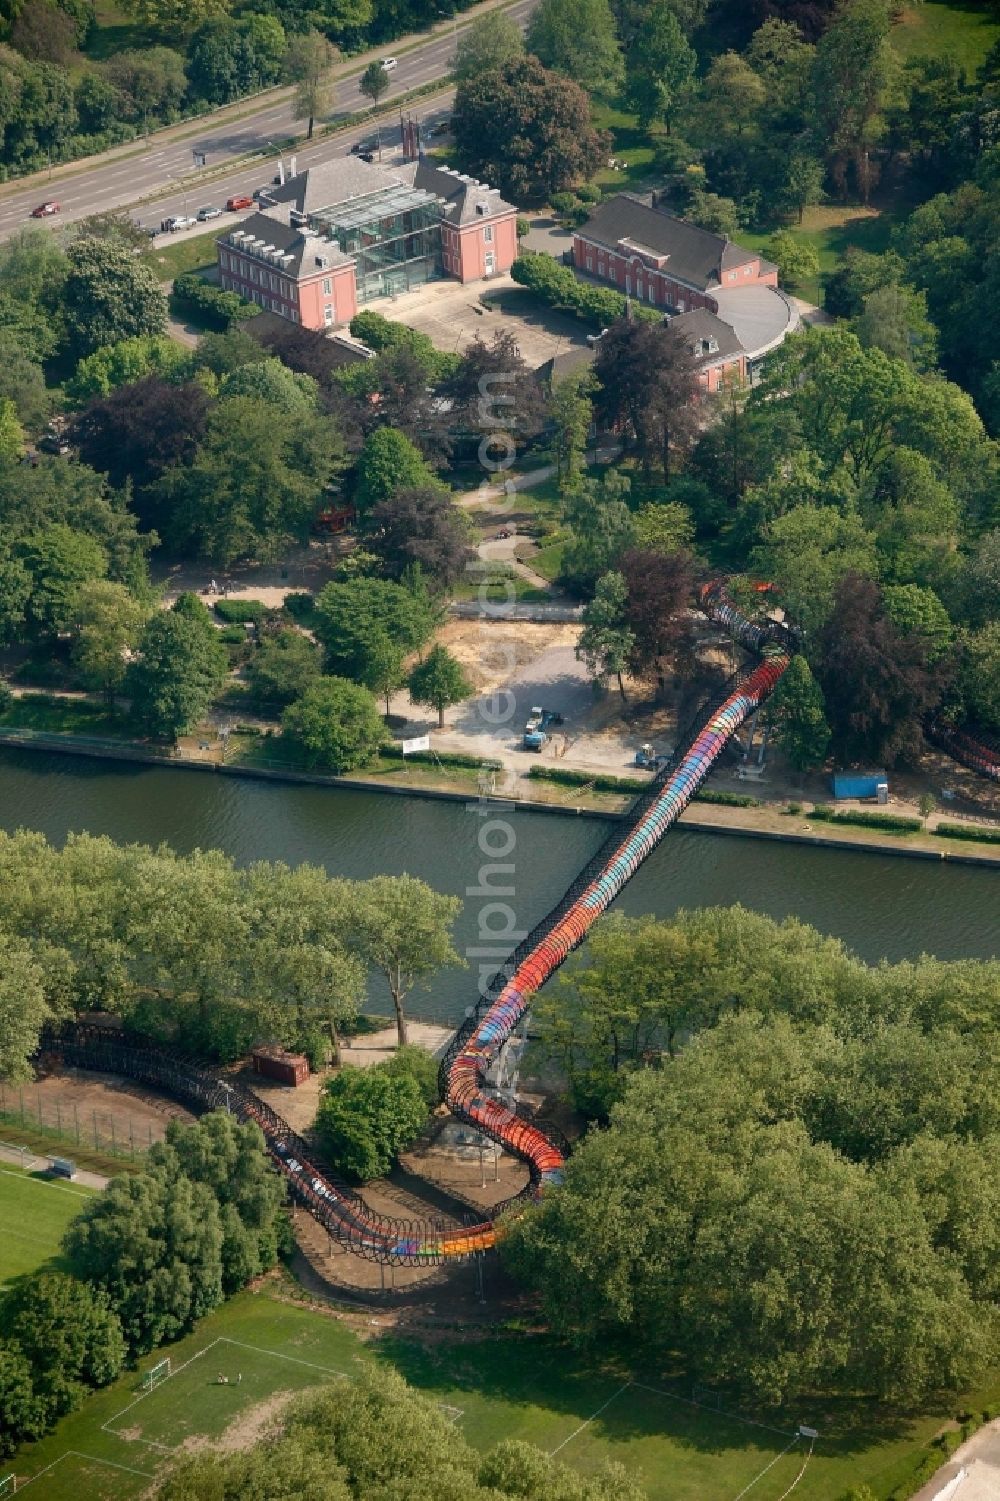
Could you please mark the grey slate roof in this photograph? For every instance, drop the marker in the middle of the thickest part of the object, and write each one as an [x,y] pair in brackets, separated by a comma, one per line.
[268,228]
[701,327]
[330,183]
[462,194]
[696,256]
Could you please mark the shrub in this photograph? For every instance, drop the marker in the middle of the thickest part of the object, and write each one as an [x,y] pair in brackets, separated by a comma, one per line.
[6,695]
[393,752]
[233,635]
[563,203]
[591,192]
[367,1116]
[793,809]
[240,611]
[967,831]
[889,823]
[209,305]
[558,286]
[301,607]
[417,1063]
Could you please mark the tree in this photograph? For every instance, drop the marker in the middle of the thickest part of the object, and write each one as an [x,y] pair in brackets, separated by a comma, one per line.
[796,260]
[979,586]
[807,553]
[57,561]
[107,621]
[917,611]
[11,431]
[374,83]
[732,99]
[878,684]
[24,1007]
[602,528]
[980,675]
[647,385]
[491,41]
[367,1117]
[403,929]
[803,185]
[439,681]
[421,527]
[337,723]
[309,65]
[350,615]
[70,1337]
[852,74]
[153,1242]
[271,381]
[665,527]
[381,668]
[571,414]
[527,130]
[659,587]
[659,65]
[282,668]
[606,643]
[388,463]
[254,485]
[796,710]
[109,295]
[494,386]
[181,665]
[123,364]
[577,37]
[895,320]
[20,1417]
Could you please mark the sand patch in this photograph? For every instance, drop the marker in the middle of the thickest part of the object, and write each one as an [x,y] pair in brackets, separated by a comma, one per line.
[257,1423]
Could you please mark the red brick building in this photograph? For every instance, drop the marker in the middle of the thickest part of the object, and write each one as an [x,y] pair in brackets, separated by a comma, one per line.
[725,297]
[345,233]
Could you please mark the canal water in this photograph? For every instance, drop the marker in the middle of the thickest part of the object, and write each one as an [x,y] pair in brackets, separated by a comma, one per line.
[879,905]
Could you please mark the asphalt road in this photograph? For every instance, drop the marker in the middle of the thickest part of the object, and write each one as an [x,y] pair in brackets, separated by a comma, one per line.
[122,182]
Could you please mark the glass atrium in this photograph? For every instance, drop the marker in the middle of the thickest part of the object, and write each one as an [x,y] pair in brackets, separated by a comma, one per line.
[394,235]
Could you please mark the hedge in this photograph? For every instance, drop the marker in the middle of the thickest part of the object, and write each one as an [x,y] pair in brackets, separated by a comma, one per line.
[566,778]
[558,286]
[889,823]
[208,304]
[967,831]
[431,758]
[240,611]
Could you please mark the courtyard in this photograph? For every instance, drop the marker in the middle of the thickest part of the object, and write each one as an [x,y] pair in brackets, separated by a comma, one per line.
[453,315]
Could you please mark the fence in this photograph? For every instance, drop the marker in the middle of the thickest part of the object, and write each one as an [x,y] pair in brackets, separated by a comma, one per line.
[121,1135]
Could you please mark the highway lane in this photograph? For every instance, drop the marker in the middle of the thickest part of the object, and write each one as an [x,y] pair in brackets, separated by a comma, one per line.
[122,182]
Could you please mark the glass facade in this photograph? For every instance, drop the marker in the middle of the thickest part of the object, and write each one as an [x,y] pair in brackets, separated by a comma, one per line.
[394,237]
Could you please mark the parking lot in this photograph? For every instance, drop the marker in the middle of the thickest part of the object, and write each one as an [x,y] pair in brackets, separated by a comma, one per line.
[452,315]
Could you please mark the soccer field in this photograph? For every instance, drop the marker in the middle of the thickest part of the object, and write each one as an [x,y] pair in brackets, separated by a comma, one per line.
[34,1213]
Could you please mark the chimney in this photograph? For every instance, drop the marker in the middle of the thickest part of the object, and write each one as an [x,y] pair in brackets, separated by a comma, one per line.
[281,171]
[293,170]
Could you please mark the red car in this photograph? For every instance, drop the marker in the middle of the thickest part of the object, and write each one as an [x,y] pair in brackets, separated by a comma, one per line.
[45,209]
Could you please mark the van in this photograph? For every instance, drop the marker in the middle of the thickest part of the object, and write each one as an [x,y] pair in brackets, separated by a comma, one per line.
[241,200]
[389,64]
[61,1167]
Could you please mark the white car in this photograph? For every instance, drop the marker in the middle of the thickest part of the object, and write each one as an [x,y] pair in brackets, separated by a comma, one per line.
[389,64]
[178,221]
[208,213]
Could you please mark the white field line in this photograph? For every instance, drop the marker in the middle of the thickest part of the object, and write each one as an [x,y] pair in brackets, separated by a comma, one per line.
[721,1411]
[805,1462]
[106,1426]
[277,1355]
[59,1187]
[91,1459]
[770,1466]
[589,1420]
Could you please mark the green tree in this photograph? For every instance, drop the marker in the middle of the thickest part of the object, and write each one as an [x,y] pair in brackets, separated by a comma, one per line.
[491,41]
[20,1415]
[894,319]
[795,258]
[388,463]
[806,554]
[403,929]
[351,615]
[120,364]
[109,295]
[272,382]
[731,101]
[665,527]
[337,723]
[571,415]
[107,623]
[852,77]
[659,66]
[374,83]
[602,529]
[527,130]
[70,1336]
[24,1007]
[181,665]
[57,561]
[980,675]
[606,643]
[153,1242]
[11,431]
[439,681]
[917,611]
[367,1117]
[577,37]
[382,669]
[796,711]
[309,65]
[803,185]
[282,668]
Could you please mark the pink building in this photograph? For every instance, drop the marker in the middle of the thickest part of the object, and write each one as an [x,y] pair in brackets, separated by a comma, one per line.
[329,240]
[725,297]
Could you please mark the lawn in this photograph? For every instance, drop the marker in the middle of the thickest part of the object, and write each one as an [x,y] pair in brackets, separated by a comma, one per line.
[61,716]
[195,254]
[503,1387]
[34,1213]
[937,29]
[831,228]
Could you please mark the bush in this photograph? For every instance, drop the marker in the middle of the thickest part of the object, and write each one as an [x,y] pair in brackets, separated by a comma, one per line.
[233,635]
[889,823]
[563,203]
[793,809]
[416,1063]
[240,611]
[301,607]
[967,831]
[558,286]
[208,304]
[393,752]
[6,695]
[367,1116]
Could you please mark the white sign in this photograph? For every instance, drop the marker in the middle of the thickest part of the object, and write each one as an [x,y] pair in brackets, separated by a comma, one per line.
[421,743]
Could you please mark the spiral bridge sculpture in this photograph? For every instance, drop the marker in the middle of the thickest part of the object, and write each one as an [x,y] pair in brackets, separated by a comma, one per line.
[477,1044]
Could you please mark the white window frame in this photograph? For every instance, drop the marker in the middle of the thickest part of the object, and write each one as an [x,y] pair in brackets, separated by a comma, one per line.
[488,234]
[328,286]
[328,315]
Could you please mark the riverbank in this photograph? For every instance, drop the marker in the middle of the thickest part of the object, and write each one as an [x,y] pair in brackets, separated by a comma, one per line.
[768,821]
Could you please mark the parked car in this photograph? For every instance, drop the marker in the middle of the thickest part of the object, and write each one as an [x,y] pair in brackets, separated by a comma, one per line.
[238,201]
[176,222]
[54,443]
[361,147]
[367,156]
[45,209]
[389,64]
[210,212]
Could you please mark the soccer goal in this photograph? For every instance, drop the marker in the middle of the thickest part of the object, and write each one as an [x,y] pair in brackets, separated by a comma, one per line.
[154,1376]
[8,1485]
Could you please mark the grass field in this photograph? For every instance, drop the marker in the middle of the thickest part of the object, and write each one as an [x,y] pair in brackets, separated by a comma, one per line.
[502,1387]
[196,254]
[938,28]
[34,1213]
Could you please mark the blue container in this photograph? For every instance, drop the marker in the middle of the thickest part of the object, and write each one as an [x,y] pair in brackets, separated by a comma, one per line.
[858,783]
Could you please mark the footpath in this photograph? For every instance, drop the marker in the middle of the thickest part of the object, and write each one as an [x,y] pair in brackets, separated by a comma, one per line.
[34,1162]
